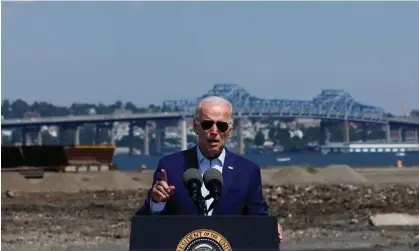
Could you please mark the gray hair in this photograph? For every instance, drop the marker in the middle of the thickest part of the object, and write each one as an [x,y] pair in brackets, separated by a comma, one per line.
[213,100]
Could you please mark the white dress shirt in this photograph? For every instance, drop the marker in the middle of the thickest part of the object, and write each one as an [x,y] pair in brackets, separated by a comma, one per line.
[204,165]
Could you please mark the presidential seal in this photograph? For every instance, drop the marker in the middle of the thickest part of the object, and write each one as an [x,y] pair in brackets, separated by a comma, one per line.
[203,240]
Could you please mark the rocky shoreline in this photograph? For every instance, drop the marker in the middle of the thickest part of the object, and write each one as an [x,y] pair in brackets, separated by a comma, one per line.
[310,215]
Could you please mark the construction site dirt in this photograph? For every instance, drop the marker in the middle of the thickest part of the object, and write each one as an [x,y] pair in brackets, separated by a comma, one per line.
[317,211]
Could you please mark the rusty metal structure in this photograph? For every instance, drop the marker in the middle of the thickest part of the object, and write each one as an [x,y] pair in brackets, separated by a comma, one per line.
[33,161]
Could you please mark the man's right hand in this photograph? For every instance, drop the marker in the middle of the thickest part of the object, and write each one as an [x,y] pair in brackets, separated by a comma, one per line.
[161,190]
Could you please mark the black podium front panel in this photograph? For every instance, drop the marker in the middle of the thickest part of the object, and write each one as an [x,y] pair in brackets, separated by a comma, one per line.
[218,233]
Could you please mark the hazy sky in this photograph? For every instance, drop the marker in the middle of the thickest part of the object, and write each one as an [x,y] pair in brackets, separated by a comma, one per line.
[143,52]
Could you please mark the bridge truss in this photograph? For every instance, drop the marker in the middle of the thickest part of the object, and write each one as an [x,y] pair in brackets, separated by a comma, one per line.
[329,104]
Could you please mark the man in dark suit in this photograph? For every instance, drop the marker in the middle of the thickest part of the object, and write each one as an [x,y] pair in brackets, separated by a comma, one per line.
[242,188]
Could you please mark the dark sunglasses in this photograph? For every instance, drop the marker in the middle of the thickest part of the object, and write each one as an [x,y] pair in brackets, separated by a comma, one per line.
[207,124]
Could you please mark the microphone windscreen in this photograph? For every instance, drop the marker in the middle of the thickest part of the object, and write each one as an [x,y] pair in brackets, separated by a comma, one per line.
[192,174]
[213,174]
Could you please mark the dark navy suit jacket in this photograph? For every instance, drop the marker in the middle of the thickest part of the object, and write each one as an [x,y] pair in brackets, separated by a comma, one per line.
[241,193]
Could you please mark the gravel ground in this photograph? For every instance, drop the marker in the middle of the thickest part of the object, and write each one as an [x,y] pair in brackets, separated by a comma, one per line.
[322,216]
[315,213]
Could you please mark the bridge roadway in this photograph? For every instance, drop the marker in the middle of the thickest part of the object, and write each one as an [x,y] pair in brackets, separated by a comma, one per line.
[32,122]
[13,123]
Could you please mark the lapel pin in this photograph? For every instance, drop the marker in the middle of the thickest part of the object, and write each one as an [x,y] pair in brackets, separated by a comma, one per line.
[230,167]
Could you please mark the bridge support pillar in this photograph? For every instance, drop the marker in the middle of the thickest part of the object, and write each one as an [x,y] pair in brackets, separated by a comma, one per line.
[404,132]
[61,134]
[400,133]
[183,135]
[111,134]
[346,130]
[388,133]
[131,135]
[323,133]
[39,140]
[26,137]
[146,150]
[107,127]
[77,136]
[31,136]
[97,133]
[240,138]
[159,136]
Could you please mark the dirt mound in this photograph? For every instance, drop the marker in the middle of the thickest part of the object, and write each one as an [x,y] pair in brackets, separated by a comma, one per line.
[114,180]
[61,182]
[145,178]
[14,181]
[290,175]
[341,174]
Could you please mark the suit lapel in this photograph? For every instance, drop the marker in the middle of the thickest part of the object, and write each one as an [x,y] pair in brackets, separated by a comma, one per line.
[228,177]
[228,171]
[191,158]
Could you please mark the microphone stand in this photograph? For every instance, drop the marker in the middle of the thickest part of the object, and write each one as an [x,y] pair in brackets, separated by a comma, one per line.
[201,205]
[214,202]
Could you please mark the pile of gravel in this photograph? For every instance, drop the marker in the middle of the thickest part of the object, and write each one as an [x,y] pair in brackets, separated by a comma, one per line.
[14,181]
[336,174]
[293,175]
[61,182]
[114,180]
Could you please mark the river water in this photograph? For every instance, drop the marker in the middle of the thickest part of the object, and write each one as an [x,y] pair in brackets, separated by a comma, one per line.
[134,162]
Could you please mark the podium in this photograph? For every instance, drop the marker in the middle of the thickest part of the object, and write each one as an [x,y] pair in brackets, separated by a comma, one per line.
[199,233]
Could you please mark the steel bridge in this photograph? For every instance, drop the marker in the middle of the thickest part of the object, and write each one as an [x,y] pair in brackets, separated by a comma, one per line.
[330,104]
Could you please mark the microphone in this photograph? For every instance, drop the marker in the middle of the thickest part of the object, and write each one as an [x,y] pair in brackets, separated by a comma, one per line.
[192,180]
[213,180]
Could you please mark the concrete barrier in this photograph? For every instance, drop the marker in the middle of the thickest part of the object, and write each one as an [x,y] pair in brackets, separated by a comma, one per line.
[394,219]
